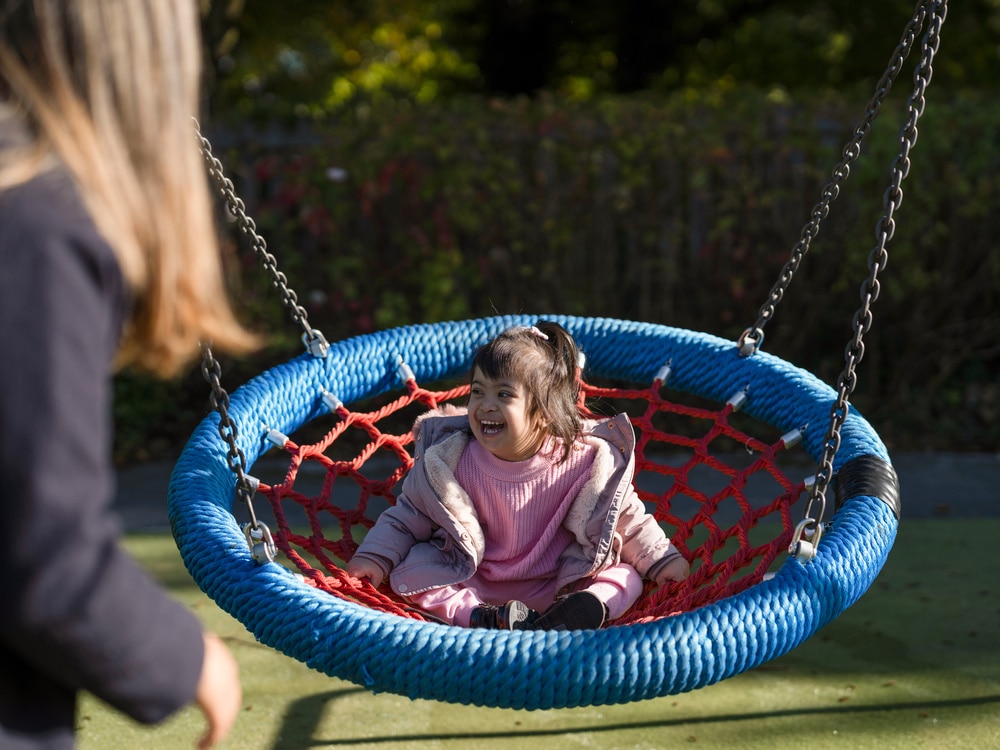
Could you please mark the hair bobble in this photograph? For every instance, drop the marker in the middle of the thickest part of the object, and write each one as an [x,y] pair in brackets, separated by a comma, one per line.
[533,330]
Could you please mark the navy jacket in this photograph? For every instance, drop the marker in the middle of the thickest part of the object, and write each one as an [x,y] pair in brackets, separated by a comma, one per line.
[76,613]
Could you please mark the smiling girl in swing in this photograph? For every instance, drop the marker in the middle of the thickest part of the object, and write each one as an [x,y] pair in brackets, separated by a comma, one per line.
[520,514]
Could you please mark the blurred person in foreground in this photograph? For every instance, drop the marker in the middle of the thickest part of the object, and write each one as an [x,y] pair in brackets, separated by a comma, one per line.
[108,257]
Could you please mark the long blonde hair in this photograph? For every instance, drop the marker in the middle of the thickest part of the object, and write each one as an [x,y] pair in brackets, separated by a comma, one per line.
[109,88]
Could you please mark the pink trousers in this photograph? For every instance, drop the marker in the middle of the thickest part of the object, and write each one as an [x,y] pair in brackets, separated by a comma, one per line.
[618,587]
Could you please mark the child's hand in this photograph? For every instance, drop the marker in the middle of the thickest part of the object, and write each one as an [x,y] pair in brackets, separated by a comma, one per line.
[359,567]
[676,570]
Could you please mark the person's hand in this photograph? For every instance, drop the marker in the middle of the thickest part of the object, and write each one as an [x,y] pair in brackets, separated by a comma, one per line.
[359,567]
[219,692]
[676,570]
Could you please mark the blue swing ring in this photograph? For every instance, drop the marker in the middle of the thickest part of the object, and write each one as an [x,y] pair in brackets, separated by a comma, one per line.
[526,669]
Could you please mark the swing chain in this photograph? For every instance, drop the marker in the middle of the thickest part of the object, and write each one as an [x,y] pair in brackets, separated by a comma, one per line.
[313,340]
[752,338]
[258,535]
[877,261]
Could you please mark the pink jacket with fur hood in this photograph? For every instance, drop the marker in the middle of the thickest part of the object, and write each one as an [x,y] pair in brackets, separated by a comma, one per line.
[431,537]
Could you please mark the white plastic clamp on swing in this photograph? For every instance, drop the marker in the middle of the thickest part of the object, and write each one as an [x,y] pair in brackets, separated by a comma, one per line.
[738,399]
[750,341]
[664,372]
[331,402]
[793,437]
[261,543]
[581,360]
[404,371]
[277,439]
[805,539]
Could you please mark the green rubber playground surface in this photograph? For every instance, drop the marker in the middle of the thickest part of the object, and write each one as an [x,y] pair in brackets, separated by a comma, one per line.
[914,664]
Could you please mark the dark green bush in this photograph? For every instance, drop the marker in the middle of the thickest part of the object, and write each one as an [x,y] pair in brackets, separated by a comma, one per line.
[679,210]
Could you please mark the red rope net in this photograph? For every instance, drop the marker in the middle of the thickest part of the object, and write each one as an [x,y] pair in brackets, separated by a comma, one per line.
[728,511]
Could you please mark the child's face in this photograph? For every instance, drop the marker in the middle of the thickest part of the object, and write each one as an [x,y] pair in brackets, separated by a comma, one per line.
[498,415]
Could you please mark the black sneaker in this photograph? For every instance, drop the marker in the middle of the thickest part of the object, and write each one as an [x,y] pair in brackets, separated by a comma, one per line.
[513,615]
[579,611]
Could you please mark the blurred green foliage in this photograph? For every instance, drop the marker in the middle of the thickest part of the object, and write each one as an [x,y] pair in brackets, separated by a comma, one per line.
[306,59]
[677,209]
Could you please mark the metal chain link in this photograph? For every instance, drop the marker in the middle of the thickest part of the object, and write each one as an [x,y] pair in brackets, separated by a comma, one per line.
[313,339]
[211,370]
[877,261]
[752,338]
[258,535]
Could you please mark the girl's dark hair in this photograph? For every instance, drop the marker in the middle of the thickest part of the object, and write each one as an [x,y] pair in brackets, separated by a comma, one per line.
[544,358]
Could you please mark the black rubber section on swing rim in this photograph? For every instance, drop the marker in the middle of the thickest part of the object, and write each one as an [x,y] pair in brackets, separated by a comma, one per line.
[870,476]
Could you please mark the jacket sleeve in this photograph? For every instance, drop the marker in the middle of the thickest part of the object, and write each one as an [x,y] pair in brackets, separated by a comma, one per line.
[398,528]
[645,546]
[77,609]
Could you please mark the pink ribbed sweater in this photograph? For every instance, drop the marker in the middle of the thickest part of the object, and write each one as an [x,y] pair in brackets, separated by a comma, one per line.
[521,507]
